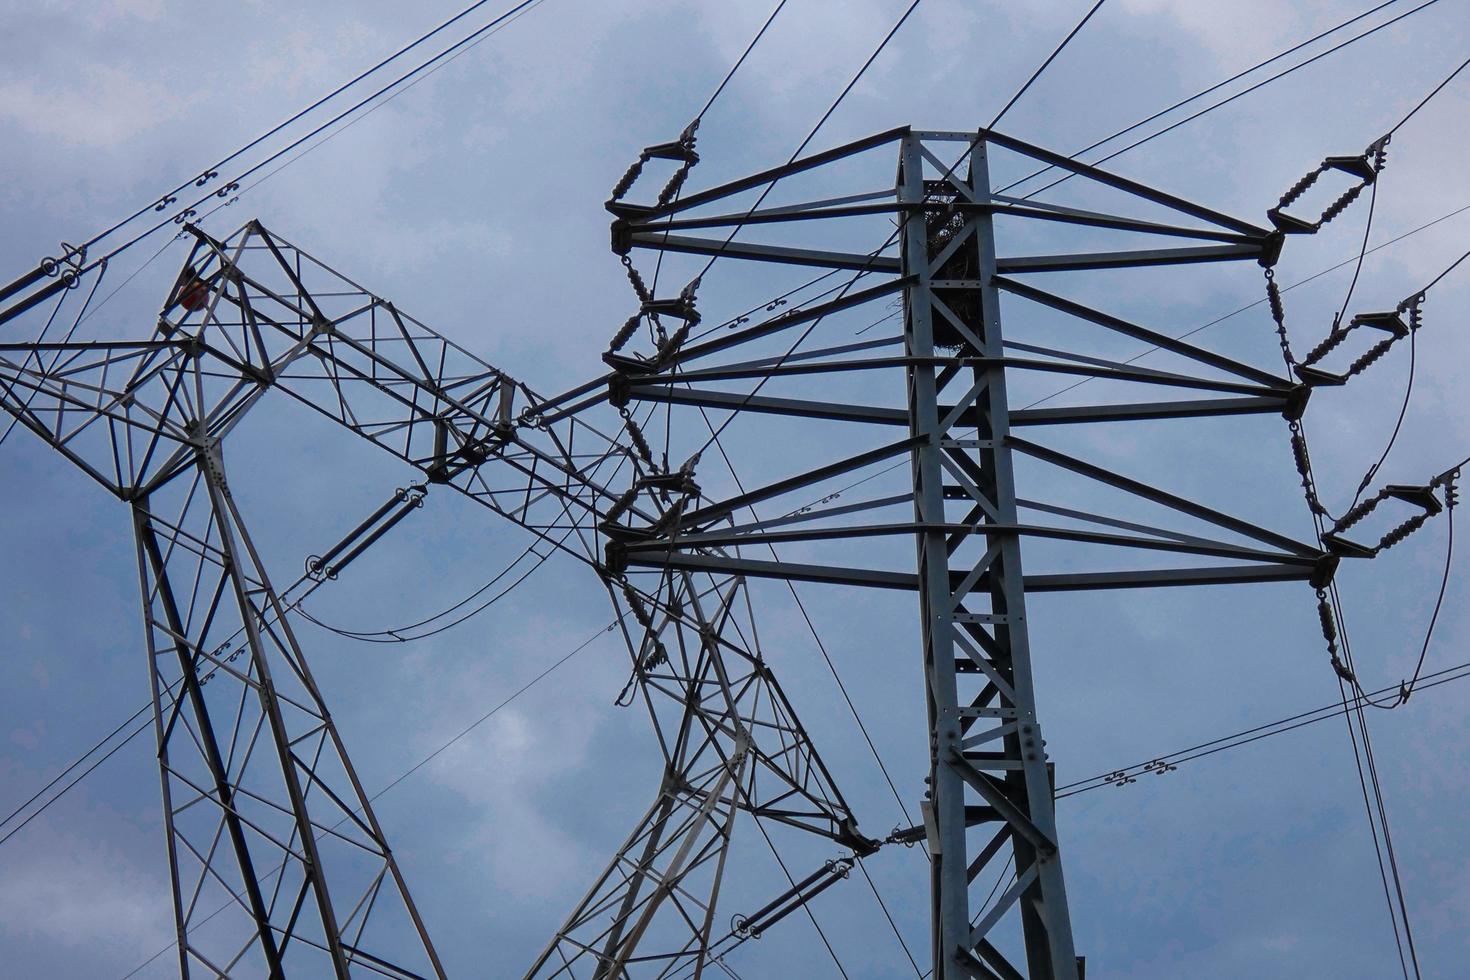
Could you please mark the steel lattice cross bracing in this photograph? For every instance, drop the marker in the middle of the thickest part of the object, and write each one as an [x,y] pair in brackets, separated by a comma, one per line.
[264,809]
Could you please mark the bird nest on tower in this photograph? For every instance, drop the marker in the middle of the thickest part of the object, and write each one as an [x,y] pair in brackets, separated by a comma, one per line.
[943,222]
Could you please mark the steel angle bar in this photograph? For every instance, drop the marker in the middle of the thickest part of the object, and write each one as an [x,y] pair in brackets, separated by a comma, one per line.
[793,368]
[793,571]
[786,255]
[1131,187]
[736,402]
[796,357]
[1136,259]
[729,537]
[1170,577]
[1091,518]
[1132,372]
[713,512]
[1123,372]
[835,208]
[1006,206]
[688,201]
[1172,501]
[813,513]
[1137,332]
[1192,409]
[791,318]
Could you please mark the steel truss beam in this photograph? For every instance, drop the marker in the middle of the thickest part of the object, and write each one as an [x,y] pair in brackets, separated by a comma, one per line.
[254,313]
[990,796]
[146,417]
[262,806]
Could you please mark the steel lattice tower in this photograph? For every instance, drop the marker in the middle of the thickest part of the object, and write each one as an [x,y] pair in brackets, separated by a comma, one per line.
[260,797]
[990,797]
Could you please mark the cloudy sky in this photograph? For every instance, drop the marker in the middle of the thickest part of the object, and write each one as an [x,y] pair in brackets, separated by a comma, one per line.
[474,200]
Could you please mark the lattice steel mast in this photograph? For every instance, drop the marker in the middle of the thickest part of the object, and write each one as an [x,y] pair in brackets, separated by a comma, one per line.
[255,313]
[990,782]
[147,418]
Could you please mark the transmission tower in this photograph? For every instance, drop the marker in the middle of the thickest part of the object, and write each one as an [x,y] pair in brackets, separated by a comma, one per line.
[263,807]
[148,419]
[990,784]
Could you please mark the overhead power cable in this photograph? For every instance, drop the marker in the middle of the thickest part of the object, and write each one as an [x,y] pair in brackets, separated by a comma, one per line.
[740,61]
[735,411]
[1223,102]
[211,172]
[872,256]
[428,64]
[841,687]
[405,634]
[1190,333]
[1045,64]
[1408,688]
[1414,111]
[1126,775]
[474,42]
[291,605]
[1203,92]
[806,141]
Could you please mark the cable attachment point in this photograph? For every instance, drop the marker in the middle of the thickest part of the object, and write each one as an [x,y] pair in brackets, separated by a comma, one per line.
[1447,480]
[1278,314]
[1364,168]
[1390,322]
[751,926]
[1419,496]
[681,308]
[1303,462]
[681,150]
[1329,633]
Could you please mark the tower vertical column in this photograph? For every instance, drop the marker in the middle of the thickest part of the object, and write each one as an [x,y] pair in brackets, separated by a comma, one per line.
[279,865]
[988,767]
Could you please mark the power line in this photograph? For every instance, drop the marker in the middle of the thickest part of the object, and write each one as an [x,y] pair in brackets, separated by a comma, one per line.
[1452,266]
[741,60]
[1224,102]
[1206,91]
[1116,777]
[841,96]
[1045,64]
[478,39]
[208,173]
[1425,101]
[1393,915]
[893,237]
[714,436]
[1190,333]
[396,635]
[1408,688]
[841,687]
[428,64]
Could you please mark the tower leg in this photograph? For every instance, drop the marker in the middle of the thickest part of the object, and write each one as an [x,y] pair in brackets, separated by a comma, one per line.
[988,766]
[279,865]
